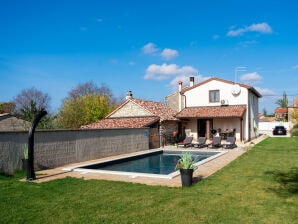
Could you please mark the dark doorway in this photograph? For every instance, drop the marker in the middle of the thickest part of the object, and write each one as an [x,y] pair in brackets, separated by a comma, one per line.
[201,127]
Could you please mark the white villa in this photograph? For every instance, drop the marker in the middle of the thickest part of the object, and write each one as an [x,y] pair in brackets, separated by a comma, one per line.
[197,110]
[215,104]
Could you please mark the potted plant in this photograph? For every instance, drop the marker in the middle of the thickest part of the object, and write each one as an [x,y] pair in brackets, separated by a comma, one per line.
[186,166]
[25,159]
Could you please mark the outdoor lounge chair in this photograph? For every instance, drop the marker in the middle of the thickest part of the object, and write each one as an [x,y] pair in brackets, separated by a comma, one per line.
[230,143]
[216,143]
[186,142]
[201,143]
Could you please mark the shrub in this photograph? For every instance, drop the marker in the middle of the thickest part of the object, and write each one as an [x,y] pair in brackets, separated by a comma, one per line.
[295,126]
[294,132]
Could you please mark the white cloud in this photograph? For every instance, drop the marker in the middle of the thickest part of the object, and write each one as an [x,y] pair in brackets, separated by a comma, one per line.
[235,33]
[250,77]
[150,48]
[169,54]
[166,53]
[167,71]
[265,91]
[259,28]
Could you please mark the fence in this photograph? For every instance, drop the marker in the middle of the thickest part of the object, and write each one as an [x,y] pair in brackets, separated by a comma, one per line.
[60,147]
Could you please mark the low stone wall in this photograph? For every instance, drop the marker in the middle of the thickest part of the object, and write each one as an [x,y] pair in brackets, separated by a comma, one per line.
[61,147]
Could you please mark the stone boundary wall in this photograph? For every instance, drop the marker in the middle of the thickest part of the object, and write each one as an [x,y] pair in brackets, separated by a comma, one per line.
[56,148]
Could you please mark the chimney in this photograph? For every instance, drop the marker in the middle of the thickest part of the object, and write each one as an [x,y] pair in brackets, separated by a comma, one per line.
[180,86]
[295,104]
[191,81]
[180,96]
[129,95]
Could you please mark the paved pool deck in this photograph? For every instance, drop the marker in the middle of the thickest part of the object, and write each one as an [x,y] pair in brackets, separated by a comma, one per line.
[203,170]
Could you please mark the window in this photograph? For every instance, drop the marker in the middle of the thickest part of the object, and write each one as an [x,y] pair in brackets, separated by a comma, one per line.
[213,96]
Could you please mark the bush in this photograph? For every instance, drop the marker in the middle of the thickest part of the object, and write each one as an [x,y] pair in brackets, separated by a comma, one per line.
[294,132]
[295,126]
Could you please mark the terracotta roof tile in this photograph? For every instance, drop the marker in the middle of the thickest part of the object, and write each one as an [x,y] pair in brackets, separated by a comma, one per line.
[222,80]
[128,122]
[281,110]
[211,112]
[159,109]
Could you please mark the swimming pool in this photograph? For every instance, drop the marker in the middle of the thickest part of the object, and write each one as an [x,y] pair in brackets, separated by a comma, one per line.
[155,163]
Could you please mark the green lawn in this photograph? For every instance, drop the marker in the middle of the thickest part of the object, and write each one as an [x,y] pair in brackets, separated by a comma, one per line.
[259,187]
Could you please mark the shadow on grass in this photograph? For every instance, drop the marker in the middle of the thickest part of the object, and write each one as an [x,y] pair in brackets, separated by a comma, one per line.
[197,179]
[287,182]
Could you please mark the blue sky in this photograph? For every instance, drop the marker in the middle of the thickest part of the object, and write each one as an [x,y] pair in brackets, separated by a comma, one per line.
[147,46]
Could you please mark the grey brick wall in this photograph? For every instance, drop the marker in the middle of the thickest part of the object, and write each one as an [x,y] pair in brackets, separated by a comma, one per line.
[61,147]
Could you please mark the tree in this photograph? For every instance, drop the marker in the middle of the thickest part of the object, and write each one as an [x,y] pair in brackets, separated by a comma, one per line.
[89,88]
[29,102]
[85,104]
[7,107]
[283,102]
[265,112]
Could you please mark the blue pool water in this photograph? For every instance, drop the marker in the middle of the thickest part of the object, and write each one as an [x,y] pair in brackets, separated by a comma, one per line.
[160,162]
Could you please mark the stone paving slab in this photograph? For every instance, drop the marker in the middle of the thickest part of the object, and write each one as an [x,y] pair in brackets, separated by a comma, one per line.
[203,170]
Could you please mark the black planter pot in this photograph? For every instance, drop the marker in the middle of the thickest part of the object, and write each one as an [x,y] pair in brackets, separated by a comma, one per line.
[186,177]
[25,164]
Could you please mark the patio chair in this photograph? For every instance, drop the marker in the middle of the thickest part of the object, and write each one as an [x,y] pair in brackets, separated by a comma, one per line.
[201,143]
[230,143]
[216,143]
[186,142]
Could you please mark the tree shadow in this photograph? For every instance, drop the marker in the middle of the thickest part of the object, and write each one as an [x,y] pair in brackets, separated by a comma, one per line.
[197,179]
[287,182]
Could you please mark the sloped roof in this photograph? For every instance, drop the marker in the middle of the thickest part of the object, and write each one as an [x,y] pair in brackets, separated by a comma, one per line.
[127,122]
[158,109]
[4,114]
[281,110]
[9,122]
[212,112]
[221,80]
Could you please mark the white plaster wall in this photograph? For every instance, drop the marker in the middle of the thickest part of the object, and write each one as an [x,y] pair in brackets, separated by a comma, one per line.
[192,125]
[254,109]
[224,124]
[229,124]
[200,96]
[268,126]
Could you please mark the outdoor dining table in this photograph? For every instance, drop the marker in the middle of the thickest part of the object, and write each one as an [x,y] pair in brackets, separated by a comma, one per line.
[225,134]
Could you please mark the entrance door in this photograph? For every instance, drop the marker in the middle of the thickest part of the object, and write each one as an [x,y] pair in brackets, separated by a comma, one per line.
[201,125]
[154,141]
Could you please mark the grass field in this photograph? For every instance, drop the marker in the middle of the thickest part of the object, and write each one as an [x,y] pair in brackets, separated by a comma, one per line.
[261,186]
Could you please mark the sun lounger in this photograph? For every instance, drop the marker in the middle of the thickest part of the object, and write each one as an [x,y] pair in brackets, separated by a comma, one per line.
[216,143]
[230,143]
[186,142]
[201,143]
